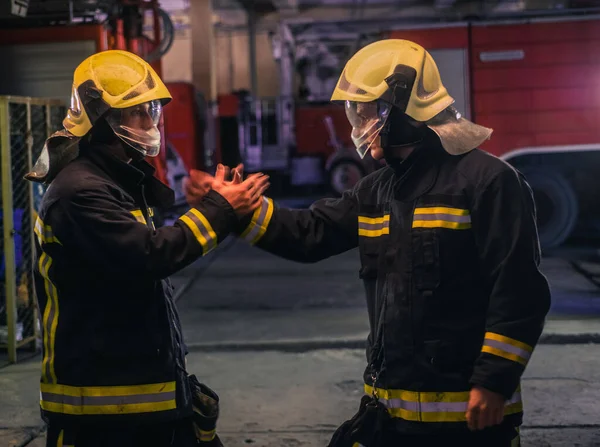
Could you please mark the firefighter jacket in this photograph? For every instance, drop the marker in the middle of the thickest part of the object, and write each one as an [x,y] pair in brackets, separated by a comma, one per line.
[450,259]
[113,350]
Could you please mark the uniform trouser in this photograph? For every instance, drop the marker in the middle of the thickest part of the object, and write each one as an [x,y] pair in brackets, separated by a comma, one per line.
[173,434]
[499,436]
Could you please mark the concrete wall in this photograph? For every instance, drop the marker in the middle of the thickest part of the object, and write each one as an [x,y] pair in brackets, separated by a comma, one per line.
[177,63]
[231,58]
[233,64]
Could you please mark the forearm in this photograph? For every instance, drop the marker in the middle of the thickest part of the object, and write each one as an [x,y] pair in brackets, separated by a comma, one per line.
[308,235]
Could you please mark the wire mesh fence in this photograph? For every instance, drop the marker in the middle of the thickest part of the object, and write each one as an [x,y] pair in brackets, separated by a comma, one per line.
[25,123]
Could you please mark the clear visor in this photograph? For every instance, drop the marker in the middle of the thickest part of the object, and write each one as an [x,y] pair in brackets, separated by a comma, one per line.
[138,126]
[367,119]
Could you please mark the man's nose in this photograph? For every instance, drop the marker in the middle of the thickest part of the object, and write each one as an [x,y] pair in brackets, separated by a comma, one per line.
[147,122]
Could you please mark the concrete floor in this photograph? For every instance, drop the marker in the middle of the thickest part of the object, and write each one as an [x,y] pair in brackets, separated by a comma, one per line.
[298,399]
[282,344]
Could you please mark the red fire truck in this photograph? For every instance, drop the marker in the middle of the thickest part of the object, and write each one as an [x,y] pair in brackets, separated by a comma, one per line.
[536,82]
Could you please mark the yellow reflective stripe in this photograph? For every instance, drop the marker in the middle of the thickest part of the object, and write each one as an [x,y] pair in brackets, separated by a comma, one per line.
[60,442]
[108,400]
[373,233]
[44,233]
[507,347]
[108,409]
[504,354]
[434,406]
[373,226]
[508,341]
[442,217]
[513,408]
[206,223]
[441,210]
[50,319]
[374,220]
[261,218]
[516,441]
[441,224]
[201,228]
[416,396]
[205,436]
[45,318]
[105,391]
[139,216]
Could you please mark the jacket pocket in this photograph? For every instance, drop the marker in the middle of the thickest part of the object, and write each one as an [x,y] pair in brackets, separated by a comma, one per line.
[369,257]
[426,259]
[453,357]
[373,231]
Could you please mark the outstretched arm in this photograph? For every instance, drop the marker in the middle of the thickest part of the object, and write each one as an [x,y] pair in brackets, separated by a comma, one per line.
[329,227]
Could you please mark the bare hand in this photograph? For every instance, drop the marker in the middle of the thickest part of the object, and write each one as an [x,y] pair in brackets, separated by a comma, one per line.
[485,409]
[238,173]
[244,196]
[196,186]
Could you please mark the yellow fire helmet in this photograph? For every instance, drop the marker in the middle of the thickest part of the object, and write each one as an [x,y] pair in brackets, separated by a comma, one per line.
[111,79]
[109,84]
[399,73]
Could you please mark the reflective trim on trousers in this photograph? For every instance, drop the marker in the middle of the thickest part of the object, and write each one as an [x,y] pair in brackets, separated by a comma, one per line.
[434,406]
[108,400]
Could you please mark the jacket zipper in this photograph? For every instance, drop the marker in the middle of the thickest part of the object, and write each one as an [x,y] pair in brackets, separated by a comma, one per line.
[180,355]
[410,307]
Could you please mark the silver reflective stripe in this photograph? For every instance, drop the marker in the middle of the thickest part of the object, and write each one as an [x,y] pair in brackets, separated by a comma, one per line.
[437,407]
[264,207]
[44,233]
[514,399]
[399,403]
[446,217]
[45,267]
[79,401]
[426,407]
[374,226]
[201,227]
[508,348]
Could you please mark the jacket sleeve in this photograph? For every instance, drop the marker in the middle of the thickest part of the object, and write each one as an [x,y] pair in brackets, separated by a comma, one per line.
[504,223]
[329,227]
[95,225]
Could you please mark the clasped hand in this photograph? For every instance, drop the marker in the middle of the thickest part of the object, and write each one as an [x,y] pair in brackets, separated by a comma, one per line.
[243,195]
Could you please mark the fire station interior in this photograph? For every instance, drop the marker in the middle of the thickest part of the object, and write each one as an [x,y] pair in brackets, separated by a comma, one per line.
[281,342]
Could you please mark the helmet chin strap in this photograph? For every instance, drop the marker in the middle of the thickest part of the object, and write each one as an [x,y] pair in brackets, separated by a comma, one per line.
[400,152]
[133,154]
[399,136]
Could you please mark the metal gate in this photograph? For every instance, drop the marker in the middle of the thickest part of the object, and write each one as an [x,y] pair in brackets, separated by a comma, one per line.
[25,123]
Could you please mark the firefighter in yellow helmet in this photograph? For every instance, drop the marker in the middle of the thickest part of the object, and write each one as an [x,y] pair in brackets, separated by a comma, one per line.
[113,369]
[449,257]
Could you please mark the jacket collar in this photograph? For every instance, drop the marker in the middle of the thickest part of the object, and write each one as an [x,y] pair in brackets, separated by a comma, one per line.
[417,174]
[131,176]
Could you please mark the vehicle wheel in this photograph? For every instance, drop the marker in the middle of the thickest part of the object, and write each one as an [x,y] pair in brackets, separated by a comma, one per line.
[344,174]
[556,204]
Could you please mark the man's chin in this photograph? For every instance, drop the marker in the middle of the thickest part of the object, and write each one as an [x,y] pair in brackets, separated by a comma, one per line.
[376,153]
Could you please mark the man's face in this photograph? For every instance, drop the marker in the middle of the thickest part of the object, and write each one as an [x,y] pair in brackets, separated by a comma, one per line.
[367,119]
[138,126]
[138,117]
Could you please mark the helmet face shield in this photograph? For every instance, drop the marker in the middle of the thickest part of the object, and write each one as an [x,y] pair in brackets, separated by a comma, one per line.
[138,126]
[367,119]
